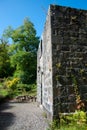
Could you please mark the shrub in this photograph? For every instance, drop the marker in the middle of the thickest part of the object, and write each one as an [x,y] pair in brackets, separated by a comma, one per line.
[78,118]
[74,121]
[25,87]
[11,84]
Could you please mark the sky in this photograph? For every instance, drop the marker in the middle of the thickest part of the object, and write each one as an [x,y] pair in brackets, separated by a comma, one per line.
[13,12]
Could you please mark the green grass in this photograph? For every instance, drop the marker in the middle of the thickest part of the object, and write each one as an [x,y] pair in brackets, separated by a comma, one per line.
[1,85]
[3,92]
[73,127]
[33,92]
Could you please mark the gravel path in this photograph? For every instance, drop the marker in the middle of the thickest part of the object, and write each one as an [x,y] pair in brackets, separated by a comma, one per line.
[21,116]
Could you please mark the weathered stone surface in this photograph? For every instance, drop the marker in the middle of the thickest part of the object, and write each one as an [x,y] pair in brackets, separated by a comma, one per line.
[63,60]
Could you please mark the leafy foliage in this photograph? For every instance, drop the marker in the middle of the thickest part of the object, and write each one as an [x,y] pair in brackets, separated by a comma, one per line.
[23,51]
[72,121]
[5,67]
[12,83]
[18,60]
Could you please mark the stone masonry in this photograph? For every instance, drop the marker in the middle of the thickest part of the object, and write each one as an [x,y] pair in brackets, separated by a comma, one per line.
[62,61]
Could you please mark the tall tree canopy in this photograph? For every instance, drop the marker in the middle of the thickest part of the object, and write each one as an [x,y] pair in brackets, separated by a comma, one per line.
[23,51]
[5,68]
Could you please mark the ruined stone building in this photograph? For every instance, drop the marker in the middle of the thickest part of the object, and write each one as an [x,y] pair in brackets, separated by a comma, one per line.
[62,60]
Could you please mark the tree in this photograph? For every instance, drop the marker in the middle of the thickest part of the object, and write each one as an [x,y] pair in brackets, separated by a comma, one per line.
[5,68]
[23,51]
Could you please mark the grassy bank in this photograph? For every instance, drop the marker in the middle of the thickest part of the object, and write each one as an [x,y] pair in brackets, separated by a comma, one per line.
[7,93]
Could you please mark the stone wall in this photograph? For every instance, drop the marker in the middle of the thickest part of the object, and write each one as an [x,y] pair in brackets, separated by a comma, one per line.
[69,56]
[62,60]
[39,87]
[44,75]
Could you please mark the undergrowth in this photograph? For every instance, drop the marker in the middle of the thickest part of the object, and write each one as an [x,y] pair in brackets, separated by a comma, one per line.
[75,121]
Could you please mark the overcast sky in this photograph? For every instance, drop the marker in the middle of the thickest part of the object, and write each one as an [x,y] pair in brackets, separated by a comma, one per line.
[13,12]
